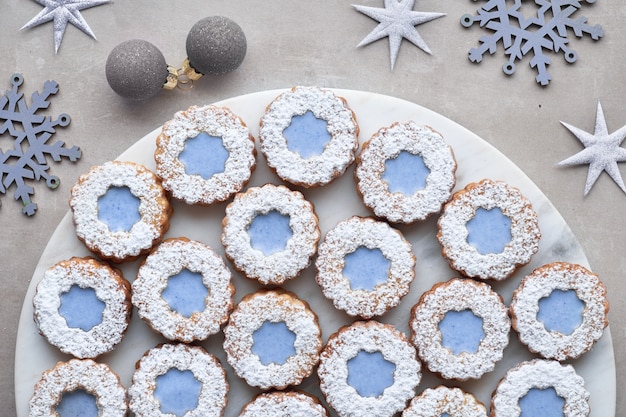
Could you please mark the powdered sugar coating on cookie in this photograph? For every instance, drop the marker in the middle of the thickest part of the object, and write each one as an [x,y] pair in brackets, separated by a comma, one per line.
[94,378]
[541,283]
[284,403]
[453,231]
[435,402]
[154,210]
[206,369]
[386,145]
[540,374]
[217,122]
[170,258]
[337,154]
[369,336]
[110,288]
[282,265]
[249,316]
[460,295]
[345,238]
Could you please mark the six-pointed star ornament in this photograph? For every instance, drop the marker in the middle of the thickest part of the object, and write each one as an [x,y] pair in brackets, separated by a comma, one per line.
[602,151]
[63,12]
[397,20]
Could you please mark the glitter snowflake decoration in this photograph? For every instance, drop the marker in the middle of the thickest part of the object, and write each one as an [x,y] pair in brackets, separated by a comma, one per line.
[30,135]
[536,35]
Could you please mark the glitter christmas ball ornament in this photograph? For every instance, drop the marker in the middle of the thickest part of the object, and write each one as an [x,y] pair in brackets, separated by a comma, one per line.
[136,69]
[216,45]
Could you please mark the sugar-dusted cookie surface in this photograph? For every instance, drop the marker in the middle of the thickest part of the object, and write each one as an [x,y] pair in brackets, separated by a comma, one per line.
[405,172]
[205,154]
[120,210]
[560,310]
[284,403]
[444,401]
[488,230]
[82,306]
[309,136]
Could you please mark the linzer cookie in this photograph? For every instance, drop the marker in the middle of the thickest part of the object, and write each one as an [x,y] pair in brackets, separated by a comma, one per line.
[178,379]
[541,388]
[460,328]
[365,266]
[560,310]
[368,369]
[120,210]
[79,387]
[488,230]
[444,401]
[270,233]
[284,403]
[272,340]
[183,290]
[309,136]
[204,155]
[405,172]
[82,306]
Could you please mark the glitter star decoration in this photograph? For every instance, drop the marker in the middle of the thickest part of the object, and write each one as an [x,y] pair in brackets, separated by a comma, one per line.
[62,12]
[602,151]
[397,21]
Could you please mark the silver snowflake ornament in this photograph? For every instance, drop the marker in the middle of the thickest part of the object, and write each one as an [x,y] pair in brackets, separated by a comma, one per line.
[397,21]
[602,151]
[62,12]
[537,35]
[31,133]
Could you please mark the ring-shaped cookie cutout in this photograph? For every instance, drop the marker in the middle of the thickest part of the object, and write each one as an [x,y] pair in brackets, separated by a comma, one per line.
[496,203]
[133,189]
[183,290]
[299,163]
[460,329]
[204,155]
[284,403]
[365,266]
[405,172]
[556,386]
[574,325]
[273,339]
[270,233]
[91,382]
[368,369]
[178,379]
[82,306]
[453,402]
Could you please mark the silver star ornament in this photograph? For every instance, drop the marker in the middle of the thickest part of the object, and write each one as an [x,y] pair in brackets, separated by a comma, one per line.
[602,151]
[397,21]
[62,12]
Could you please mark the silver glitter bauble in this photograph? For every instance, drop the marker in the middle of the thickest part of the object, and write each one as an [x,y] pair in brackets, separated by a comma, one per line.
[136,69]
[216,45]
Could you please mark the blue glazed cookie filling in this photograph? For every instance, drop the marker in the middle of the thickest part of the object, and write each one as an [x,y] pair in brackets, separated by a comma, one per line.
[204,155]
[365,268]
[307,135]
[541,402]
[118,208]
[461,331]
[273,343]
[370,373]
[177,391]
[77,403]
[186,293]
[81,308]
[561,311]
[270,232]
[489,231]
[405,174]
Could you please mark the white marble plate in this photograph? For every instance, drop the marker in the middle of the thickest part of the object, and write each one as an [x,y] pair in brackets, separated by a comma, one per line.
[334,202]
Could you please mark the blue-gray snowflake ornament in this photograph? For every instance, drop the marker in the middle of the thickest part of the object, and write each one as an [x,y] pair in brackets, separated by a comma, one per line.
[547,31]
[30,133]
